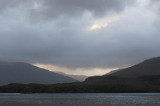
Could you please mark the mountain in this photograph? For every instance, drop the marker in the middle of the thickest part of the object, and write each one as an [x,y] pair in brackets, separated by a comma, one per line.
[148,68]
[140,78]
[19,72]
[76,77]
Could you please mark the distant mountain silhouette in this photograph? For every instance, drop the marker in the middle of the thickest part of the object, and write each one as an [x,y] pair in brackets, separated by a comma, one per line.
[140,78]
[76,77]
[150,67]
[19,72]
[146,68]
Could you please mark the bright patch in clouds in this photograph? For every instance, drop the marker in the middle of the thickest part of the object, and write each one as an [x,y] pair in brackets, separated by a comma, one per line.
[56,33]
[77,71]
[104,22]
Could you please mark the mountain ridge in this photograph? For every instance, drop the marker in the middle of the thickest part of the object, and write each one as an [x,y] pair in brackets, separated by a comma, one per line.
[21,72]
[116,82]
[149,67]
[145,68]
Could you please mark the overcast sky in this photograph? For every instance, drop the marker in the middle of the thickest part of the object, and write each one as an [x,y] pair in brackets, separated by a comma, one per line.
[88,37]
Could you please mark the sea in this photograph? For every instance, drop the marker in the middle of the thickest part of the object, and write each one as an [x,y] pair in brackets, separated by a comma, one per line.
[80,99]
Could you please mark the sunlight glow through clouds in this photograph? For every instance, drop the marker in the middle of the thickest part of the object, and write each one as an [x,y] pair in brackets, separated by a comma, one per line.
[78,71]
[104,22]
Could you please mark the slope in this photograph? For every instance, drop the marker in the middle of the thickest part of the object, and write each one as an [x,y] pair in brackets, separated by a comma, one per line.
[19,72]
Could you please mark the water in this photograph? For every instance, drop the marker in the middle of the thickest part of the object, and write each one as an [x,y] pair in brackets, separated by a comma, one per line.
[93,99]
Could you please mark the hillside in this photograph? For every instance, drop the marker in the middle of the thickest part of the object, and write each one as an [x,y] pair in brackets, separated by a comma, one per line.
[19,72]
[141,78]
[147,68]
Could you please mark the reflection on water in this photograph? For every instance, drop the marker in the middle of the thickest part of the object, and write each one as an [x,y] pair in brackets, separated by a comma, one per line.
[100,99]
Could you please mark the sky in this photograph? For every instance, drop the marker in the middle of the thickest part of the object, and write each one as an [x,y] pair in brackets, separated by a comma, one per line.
[88,37]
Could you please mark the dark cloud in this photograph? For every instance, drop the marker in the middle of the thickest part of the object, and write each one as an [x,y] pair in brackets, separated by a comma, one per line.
[73,47]
[58,8]
[6,4]
[55,8]
[67,42]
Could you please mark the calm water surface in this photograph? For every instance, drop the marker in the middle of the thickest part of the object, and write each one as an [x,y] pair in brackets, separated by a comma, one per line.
[100,99]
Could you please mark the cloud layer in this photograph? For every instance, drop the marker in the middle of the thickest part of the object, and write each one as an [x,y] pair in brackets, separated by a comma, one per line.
[57,32]
[56,8]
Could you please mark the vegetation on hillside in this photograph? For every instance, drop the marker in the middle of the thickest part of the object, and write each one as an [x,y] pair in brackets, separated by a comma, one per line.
[143,77]
[142,84]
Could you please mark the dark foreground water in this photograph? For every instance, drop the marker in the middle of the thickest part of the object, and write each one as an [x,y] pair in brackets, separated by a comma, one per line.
[104,99]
